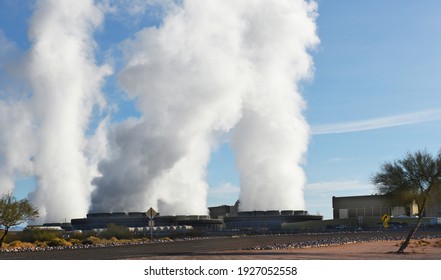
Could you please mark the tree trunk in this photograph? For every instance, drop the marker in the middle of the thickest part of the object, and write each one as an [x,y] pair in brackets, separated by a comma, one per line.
[420,218]
[3,236]
[409,236]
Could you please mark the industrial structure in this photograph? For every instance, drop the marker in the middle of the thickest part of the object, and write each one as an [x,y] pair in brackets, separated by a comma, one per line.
[369,206]
[260,220]
[140,219]
[348,212]
[378,205]
[223,217]
[268,220]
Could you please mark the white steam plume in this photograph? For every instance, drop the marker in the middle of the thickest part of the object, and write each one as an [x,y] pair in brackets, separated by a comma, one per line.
[15,119]
[210,66]
[272,137]
[15,126]
[66,83]
[186,78]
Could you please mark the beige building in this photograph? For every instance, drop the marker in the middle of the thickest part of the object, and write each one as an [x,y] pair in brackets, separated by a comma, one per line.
[369,206]
[433,208]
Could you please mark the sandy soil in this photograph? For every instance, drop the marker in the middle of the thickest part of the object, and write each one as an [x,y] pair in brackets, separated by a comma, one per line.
[426,249]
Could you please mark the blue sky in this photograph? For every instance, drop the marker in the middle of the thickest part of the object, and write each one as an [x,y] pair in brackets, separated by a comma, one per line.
[377,67]
[374,96]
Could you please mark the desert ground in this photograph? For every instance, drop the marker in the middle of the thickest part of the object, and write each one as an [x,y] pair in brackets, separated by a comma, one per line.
[423,249]
[329,246]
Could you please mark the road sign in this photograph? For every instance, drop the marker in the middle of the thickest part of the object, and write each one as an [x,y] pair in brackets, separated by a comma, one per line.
[151,213]
[385,218]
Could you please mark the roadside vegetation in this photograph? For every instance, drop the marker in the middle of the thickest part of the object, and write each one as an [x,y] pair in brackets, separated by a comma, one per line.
[14,212]
[38,239]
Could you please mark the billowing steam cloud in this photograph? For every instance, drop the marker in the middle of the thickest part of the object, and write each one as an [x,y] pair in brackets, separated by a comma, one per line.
[66,84]
[272,136]
[15,122]
[185,78]
[14,152]
[211,67]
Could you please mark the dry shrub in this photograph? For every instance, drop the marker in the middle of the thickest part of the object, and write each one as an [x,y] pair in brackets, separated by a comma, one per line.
[19,244]
[40,244]
[33,235]
[415,243]
[139,240]
[419,243]
[165,239]
[75,241]
[93,240]
[117,231]
[114,240]
[56,242]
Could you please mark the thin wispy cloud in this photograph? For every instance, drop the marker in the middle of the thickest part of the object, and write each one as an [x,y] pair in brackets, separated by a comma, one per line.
[377,123]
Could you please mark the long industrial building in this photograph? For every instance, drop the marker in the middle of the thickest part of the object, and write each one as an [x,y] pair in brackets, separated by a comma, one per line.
[140,219]
[268,220]
[260,220]
[221,217]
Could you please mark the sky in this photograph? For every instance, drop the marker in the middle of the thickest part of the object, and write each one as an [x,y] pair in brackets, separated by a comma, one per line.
[367,86]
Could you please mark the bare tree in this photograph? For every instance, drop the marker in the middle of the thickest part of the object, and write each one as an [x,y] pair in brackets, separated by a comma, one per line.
[412,179]
[14,212]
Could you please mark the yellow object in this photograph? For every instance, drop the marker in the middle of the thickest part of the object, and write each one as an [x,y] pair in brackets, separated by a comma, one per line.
[385,218]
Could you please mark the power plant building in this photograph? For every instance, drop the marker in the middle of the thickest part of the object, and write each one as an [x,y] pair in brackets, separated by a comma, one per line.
[268,220]
[260,220]
[140,219]
[378,205]
[221,218]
